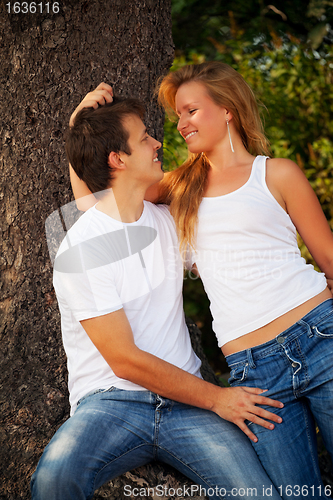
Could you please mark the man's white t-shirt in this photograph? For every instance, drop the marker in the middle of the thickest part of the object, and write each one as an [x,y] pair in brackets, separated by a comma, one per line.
[104,265]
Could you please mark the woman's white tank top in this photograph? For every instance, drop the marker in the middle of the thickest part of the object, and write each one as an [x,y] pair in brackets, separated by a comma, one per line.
[248,259]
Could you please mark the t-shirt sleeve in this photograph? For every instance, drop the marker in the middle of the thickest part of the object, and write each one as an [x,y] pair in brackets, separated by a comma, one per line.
[88,294]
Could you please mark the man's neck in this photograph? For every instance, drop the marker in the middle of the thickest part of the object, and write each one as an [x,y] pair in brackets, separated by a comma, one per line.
[123,205]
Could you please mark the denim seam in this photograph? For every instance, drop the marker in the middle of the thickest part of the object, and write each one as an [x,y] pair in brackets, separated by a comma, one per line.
[93,393]
[157,421]
[313,452]
[189,467]
[317,318]
[110,462]
[324,315]
[275,349]
[304,367]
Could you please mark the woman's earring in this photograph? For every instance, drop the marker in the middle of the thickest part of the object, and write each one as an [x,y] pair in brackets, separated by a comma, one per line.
[232,148]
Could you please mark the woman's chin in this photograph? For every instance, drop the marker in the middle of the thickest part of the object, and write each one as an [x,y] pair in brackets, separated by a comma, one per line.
[194,150]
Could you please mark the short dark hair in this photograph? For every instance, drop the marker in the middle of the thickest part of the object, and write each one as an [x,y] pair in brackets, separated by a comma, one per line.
[94,134]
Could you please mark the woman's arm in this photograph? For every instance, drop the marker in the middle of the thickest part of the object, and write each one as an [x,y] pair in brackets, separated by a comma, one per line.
[154,192]
[85,199]
[101,95]
[301,203]
[82,194]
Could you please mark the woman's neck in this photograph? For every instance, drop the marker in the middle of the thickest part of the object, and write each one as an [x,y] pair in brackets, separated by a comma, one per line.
[222,157]
[228,151]
[228,171]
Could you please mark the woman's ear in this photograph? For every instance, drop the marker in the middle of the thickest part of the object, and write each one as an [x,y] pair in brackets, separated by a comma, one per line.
[228,115]
[115,161]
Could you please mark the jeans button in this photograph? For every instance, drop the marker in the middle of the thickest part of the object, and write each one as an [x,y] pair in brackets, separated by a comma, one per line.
[280,340]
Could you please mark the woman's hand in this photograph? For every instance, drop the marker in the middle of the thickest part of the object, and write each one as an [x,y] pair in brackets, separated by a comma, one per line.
[100,96]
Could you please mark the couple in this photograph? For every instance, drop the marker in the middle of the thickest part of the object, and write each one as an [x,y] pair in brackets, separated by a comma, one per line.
[122,319]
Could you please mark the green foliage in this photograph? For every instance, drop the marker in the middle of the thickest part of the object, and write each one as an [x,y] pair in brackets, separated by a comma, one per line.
[200,26]
[174,147]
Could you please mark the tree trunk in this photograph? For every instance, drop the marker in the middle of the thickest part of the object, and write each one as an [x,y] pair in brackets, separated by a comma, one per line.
[49,61]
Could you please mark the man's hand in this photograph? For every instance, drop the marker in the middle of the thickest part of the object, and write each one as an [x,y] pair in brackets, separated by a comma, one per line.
[100,96]
[238,404]
[113,337]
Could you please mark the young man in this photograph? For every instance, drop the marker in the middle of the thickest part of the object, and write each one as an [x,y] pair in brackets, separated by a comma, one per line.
[136,392]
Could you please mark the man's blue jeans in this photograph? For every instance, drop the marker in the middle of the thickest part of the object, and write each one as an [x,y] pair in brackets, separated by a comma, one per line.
[115,431]
[297,368]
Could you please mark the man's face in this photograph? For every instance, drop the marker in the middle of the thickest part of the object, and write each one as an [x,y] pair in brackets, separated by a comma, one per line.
[142,164]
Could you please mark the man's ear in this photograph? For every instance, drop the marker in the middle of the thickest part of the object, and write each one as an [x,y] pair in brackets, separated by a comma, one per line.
[115,161]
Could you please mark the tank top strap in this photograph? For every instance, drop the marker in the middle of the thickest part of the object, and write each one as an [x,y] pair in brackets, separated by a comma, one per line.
[258,174]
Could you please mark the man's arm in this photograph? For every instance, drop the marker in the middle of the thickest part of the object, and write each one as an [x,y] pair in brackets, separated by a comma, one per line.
[112,335]
[82,194]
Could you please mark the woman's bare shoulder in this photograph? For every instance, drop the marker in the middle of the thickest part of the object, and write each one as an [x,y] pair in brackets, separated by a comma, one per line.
[283,169]
[282,163]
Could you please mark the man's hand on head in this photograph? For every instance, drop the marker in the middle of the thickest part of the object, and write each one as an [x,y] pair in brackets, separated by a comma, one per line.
[100,96]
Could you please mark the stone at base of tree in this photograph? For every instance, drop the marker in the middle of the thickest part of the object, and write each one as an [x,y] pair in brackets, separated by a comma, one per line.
[158,480]
[154,480]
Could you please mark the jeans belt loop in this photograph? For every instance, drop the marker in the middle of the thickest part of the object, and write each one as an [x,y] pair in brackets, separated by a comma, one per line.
[309,328]
[250,358]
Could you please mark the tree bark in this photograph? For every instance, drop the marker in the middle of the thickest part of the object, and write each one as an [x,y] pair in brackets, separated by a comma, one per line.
[49,61]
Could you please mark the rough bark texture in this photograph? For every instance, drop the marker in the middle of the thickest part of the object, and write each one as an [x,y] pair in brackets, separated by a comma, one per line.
[48,63]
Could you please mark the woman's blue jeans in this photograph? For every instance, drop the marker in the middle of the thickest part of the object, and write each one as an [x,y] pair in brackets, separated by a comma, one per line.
[115,431]
[296,368]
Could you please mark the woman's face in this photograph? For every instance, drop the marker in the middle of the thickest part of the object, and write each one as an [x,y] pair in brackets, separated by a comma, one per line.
[202,123]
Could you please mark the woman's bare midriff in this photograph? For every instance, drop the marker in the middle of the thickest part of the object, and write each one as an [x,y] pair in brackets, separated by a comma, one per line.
[271,330]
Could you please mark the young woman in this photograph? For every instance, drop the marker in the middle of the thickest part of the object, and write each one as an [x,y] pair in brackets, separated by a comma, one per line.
[273,314]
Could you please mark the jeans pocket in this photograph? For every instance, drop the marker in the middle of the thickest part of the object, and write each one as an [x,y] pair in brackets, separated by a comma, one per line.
[238,373]
[324,327]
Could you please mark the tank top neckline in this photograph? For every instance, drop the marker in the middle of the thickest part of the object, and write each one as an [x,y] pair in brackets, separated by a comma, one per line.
[238,189]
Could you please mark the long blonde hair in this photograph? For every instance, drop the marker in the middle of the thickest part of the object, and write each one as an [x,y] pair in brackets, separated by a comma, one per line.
[183,188]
